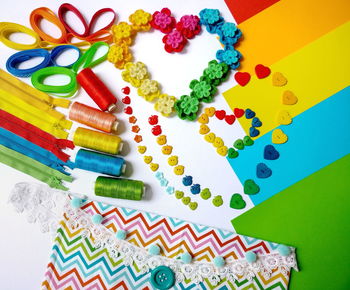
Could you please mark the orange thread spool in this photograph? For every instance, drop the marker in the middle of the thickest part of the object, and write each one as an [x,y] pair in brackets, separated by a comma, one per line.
[94,118]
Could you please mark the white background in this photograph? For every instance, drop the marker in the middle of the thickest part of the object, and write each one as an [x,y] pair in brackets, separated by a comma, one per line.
[24,249]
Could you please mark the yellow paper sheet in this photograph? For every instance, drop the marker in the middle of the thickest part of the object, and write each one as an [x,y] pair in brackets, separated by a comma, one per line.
[287,26]
[314,73]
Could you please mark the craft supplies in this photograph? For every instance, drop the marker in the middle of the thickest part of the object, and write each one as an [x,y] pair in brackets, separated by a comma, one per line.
[49,59]
[25,147]
[100,163]
[35,135]
[97,90]
[98,141]
[119,188]
[15,106]
[94,118]
[33,168]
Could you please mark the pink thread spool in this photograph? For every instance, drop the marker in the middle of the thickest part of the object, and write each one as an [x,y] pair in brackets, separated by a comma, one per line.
[94,118]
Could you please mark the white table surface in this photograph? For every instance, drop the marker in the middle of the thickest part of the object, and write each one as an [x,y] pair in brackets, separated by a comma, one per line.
[24,249]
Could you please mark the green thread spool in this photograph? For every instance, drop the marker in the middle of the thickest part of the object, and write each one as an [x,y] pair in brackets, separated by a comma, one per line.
[119,188]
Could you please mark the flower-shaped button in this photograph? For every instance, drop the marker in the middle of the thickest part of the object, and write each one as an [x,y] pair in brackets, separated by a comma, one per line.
[162,278]
[140,20]
[174,41]
[165,104]
[163,21]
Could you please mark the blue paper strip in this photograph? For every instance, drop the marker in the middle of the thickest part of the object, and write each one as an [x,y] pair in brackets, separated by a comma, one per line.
[316,138]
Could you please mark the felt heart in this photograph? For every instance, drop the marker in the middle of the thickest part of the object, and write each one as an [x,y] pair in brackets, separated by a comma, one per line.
[230,119]
[284,118]
[279,80]
[237,201]
[253,132]
[248,141]
[262,171]
[220,114]
[250,187]
[288,98]
[262,71]
[256,122]
[249,114]
[270,153]
[232,153]
[210,111]
[238,112]
[210,137]
[204,129]
[203,119]
[278,137]
[222,150]
[238,144]
[242,78]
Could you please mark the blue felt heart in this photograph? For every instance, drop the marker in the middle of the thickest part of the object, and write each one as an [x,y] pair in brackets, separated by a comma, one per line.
[262,171]
[256,122]
[253,132]
[249,114]
[270,153]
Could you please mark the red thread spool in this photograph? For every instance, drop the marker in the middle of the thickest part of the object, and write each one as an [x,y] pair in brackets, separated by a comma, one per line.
[94,118]
[97,90]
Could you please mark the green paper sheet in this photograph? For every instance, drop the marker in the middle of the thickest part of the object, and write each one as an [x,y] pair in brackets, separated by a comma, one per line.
[313,215]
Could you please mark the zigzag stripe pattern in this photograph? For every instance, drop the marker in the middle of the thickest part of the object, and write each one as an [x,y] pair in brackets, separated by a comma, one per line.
[76,264]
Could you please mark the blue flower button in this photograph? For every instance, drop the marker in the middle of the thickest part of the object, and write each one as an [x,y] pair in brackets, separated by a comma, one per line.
[162,277]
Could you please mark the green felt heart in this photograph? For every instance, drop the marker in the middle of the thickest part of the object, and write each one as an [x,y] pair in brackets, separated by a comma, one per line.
[232,153]
[238,144]
[250,187]
[205,194]
[248,141]
[237,201]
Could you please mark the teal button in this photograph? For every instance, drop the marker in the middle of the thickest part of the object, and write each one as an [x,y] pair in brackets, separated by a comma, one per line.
[162,277]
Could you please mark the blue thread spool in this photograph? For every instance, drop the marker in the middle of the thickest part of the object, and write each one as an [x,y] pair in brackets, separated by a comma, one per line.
[100,163]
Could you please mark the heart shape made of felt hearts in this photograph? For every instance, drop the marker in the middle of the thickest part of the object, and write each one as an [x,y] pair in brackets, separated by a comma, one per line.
[221,115]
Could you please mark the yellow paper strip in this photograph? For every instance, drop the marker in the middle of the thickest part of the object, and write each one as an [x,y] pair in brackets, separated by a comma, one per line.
[314,73]
[287,26]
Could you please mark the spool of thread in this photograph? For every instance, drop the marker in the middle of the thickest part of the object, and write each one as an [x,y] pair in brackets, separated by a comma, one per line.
[100,163]
[119,188]
[94,118]
[97,140]
[97,90]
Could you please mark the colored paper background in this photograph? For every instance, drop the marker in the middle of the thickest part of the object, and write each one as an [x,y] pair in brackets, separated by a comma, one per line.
[314,141]
[313,216]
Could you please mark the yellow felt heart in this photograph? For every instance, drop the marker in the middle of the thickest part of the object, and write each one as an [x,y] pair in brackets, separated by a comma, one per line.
[218,142]
[173,160]
[289,98]
[154,166]
[204,129]
[179,170]
[222,150]
[210,137]
[210,111]
[161,140]
[167,150]
[279,80]
[203,119]
[284,118]
[278,137]
[147,159]
[141,149]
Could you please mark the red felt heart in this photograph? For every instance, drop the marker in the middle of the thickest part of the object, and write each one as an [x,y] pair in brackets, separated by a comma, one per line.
[230,119]
[220,114]
[262,71]
[126,100]
[242,78]
[238,112]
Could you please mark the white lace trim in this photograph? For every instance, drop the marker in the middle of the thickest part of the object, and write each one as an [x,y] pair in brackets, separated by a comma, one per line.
[47,206]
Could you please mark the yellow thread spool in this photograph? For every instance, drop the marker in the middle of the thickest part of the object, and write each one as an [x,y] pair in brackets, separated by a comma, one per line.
[97,140]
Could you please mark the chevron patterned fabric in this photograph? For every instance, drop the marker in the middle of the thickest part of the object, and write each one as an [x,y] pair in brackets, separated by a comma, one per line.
[76,264]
